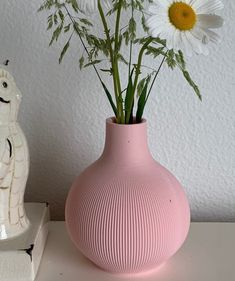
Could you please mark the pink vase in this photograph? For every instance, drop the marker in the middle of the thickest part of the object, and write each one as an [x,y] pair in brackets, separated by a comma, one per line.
[126,212]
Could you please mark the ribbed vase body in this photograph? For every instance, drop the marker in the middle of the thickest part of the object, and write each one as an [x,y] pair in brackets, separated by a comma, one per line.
[126,212]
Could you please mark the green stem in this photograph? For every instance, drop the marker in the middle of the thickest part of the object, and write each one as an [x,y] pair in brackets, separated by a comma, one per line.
[112,59]
[138,66]
[116,67]
[159,68]
[131,44]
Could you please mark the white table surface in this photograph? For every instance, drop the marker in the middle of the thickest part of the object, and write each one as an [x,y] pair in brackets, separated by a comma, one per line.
[207,255]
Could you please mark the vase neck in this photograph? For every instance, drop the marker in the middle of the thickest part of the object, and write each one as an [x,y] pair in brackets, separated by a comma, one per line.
[126,143]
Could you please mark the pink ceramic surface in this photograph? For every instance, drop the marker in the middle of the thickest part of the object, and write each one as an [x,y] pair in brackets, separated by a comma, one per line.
[126,212]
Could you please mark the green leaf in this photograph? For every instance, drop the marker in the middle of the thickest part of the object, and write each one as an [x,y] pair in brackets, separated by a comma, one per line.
[143,40]
[122,59]
[126,37]
[180,59]
[192,84]
[141,105]
[76,27]
[92,63]
[56,34]
[49,22]
[155,51]
[141,86]
[132,29]
[142,101]
[41,8]
[74,5]
[55,18]
[143,21]
[106,70]
[110,99]
[170,59]
[160,41]
[61,15]
[86,22]
[46,5]
[129,97]
[81,62]
[66,46]
[67,28]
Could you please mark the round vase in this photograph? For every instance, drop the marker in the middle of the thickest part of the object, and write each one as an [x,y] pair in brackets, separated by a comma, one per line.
[126,212]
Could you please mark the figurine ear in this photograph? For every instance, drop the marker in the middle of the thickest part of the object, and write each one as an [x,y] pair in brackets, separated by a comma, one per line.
[5,74]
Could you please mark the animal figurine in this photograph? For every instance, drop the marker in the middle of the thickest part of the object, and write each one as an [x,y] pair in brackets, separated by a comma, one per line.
[14,161]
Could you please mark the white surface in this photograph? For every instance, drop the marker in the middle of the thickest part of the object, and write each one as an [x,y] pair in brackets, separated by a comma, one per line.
[63,114]
[20,257]
[207,255]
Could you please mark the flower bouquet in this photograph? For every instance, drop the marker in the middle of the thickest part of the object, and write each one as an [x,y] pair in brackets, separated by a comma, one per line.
[170,29]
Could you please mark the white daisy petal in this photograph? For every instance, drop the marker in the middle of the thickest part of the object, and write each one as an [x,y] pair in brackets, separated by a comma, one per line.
[157,10]
[192,2]
[153,20]
[155,33]
[195,43]
[210,21]
[213,37]
[162,3]
[206,6]
[91,6]
[197,33]
[156,21]
[201,35]
[186,45]
[169,36]
[176,40]
[156,26]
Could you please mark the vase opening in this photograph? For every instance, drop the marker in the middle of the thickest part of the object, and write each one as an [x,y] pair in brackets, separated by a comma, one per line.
[114,120]
[126,143]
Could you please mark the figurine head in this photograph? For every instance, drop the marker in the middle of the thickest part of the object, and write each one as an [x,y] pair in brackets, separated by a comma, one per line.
[10,98]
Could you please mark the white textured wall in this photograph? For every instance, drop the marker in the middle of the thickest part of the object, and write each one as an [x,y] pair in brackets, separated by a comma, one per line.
[63,115]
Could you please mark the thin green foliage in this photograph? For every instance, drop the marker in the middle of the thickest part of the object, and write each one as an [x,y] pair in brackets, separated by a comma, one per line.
[192,84]
[65,19]
[170,59]
[180,61]
[128,99]
[92,63]
[66,46]
[142,100]
[109,96]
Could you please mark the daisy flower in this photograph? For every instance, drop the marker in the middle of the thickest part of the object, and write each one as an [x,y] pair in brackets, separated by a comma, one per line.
[185,25]
[91,6]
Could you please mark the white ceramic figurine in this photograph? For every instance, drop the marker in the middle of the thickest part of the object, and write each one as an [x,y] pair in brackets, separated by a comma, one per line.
[14,161]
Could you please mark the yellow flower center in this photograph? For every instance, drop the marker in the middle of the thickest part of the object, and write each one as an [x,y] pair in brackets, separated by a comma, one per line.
[182,16]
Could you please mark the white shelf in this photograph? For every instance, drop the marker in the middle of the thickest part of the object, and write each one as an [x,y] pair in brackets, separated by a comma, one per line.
[207,255]
[20,256]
